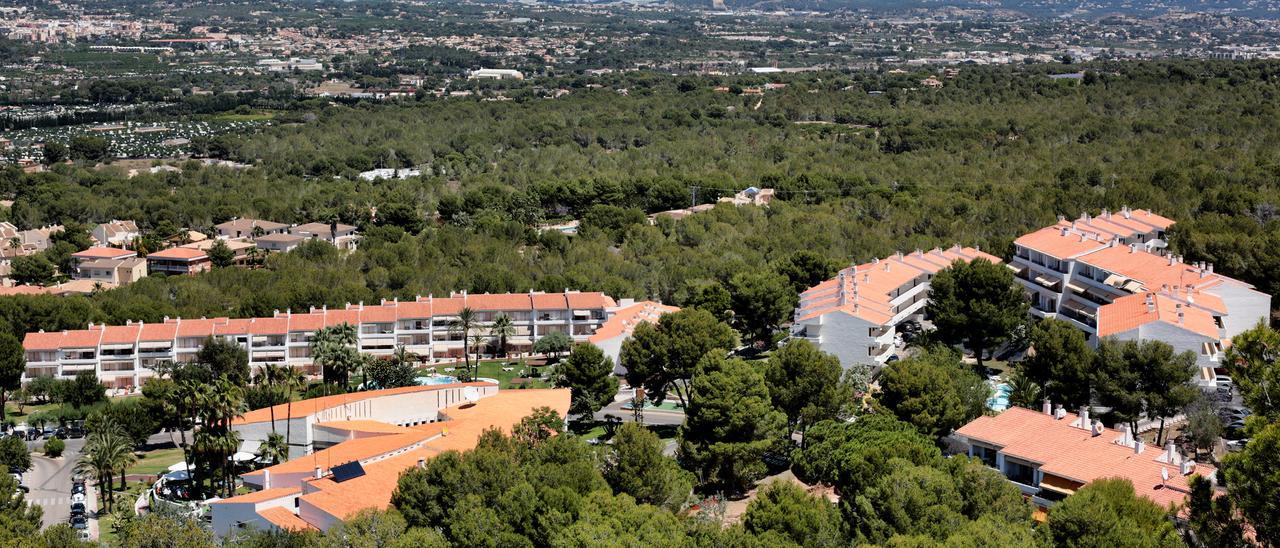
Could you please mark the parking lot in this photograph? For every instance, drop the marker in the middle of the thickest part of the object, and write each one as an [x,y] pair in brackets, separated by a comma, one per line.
[50,485]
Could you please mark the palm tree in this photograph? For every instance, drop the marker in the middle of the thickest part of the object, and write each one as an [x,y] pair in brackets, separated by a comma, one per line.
[478,342]
[464,324]
[502,329]
[1024,392]
[274,449]
[220,402]
[108,449]
[271,376]
[334,349]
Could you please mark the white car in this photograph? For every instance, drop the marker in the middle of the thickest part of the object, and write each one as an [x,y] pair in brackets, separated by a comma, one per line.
[1223,380]
[78,497]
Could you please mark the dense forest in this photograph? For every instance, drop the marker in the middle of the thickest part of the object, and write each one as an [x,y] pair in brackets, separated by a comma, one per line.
[865,164]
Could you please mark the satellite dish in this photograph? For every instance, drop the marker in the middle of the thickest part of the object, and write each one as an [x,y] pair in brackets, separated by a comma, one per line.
[1164,473]
[471,394]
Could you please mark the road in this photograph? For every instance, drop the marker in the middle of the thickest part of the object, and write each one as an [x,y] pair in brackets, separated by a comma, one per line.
[50,481]
[652,417]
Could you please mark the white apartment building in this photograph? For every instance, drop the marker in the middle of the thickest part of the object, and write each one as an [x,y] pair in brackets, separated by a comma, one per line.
[1107,276]
[124,356]
[855,315]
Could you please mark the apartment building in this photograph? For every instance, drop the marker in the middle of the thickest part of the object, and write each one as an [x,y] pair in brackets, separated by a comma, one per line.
[349,450]
[1051,454]
[124,356]
[115,233]
[855,315]
[1086,271]
[178,261]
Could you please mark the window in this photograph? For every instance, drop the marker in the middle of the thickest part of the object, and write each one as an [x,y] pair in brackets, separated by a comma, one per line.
[1019,473]
[986,454]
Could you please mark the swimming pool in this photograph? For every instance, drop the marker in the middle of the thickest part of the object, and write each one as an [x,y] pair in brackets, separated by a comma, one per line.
[436,379]
[999,400]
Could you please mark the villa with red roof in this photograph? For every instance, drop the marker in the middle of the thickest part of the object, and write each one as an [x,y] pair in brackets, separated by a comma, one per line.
[422,326]
[855,315]
[1051,454]
[1109,276]
[179,261]
[348,450]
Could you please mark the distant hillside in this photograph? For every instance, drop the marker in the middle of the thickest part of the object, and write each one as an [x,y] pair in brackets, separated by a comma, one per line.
[1264,8]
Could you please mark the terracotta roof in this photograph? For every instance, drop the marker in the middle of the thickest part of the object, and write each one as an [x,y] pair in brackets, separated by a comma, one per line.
[103,253]
[358,449]
[178,253]
[1060,242]
[866,291]
[159,331]
[121,334]
[589,300]
[246,226]
[198,327]
[42,341]
[625,320]
[82,338]
[1074,453]
[1154,271]
[379,313]
[284,519]
[1133,311]
[311,321]
[282,237]
[373,490]
[269,326]
[23,290]
[233,326]
[498,302]
[367,426]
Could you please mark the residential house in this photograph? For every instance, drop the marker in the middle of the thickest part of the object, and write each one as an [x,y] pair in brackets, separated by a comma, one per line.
[242,249]
[100,263]
[279,242]
[1082,272]
[178,261]
[116,233]
[855,315]
[340,235]
[349,450]
[1051,454]
[422,326]
[115,272]
[236,229]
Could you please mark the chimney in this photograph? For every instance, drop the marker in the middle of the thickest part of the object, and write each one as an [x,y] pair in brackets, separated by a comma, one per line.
[422,462]
[1138,446]
[1188,467]
[1064,231]
[1171,455]
[318,473]
[866,277]
[1126,436]
[1084,417]
[1047,407]
[1059,413]
[1151,304]
[1210,268]
[266,478]
[1171,259]
[1133,248]
[1098,428]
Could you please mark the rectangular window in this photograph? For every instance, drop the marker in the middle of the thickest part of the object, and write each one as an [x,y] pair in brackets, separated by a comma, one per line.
[1018,472]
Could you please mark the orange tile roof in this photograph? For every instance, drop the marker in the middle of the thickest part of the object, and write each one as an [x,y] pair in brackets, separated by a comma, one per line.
[103,253]
[178,253]
[1132,311]
[358,449]
[264,495]
[121,334]
[589,300]
[379,313]
[367,426]
[312,321]
[269,326]
[865,291]
[1076,454]
[39,340]
[82,338]
[159,331]
[201,327]
[286,520]
[373,490]
[1154,271]
[1059,242]
[233,326]
[625,320]
[512,301]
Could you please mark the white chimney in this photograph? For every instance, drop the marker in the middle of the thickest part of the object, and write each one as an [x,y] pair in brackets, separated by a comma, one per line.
[422,462]
[318,474]
[1138,446]
[1059,413]
[1171,452]
[1098,428]
[1047,407]
[1084,417]
[266,478]
[1188,467]
[1133,248]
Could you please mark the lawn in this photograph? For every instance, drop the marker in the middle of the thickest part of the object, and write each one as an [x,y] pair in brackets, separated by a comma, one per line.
[252,117]
[492,369]
[156,462]
[11,410]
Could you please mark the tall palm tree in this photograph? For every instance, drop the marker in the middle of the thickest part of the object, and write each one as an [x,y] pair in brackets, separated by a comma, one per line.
[466,322]
[502,329]
[478,342]
[271,375]
[107,450]
[334,348]
[292,381]
[220,402]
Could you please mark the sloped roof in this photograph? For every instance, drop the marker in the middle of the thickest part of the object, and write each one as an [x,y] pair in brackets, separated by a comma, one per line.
[1133,311]
[625,320]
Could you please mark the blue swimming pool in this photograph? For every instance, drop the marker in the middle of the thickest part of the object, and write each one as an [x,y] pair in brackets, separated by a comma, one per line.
[436,379]
[999,400]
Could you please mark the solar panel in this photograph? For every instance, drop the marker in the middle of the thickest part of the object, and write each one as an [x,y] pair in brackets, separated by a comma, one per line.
[350,470]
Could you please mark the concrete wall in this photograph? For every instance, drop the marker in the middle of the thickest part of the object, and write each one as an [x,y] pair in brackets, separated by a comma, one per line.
[1180,339]
[1246,307]
[847,338]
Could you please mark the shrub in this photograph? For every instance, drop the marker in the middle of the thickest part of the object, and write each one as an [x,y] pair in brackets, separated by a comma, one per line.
[54,447]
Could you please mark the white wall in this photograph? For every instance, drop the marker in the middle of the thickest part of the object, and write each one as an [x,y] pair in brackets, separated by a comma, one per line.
[1245,307]
[1180,339]
[846,337]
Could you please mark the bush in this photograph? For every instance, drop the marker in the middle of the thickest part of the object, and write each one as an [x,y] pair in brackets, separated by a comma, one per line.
[54,447]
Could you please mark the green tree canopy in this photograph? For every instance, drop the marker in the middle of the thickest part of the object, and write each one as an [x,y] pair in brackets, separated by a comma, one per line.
[761,301]
[1061,362]
[1144,378]
[634,464]
[805,384]
[588,374]
[1106,513]
[665,356]
[1253,479]
[729,424]
[976,303]
[1252,360]
[786,510]
[934,391]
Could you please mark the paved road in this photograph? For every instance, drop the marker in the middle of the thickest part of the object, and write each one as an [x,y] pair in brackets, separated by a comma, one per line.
[50,481]
[654,417]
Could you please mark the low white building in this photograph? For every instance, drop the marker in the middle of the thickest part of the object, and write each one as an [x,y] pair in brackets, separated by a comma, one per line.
[496,74]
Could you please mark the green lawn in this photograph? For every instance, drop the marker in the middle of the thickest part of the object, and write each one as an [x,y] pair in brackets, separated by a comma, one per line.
[11,410]
[156,462]
[492,369]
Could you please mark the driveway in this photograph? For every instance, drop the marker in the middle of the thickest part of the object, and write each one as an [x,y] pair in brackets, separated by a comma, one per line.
[50,481]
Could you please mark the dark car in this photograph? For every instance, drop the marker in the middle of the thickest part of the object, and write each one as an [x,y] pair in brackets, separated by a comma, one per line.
[77,488]
[79,522]
[75,432]
[77,508]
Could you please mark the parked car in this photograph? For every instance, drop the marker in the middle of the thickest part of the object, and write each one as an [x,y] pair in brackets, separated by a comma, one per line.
[77,508]
[75,432]
[79,522]
[77,497]
[77,488]
[1237,445]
